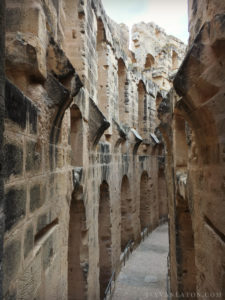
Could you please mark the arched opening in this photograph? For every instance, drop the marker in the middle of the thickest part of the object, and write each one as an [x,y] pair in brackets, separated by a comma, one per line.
[162,195]
[142,109]
[145,201]
[105,241]
[149,62]
[121,90]
[180,143]
[77,249]
[76,136]
[126,213]
[186,269]
[102,68]
[174,60]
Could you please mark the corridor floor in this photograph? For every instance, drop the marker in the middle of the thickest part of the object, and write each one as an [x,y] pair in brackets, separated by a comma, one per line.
[144,276]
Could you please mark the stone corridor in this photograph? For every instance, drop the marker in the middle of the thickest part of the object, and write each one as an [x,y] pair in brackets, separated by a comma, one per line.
[144,276]
[107,132]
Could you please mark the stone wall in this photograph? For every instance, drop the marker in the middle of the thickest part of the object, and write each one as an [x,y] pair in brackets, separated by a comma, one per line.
[2,110]
[81,145]
[157,54]
[192,124]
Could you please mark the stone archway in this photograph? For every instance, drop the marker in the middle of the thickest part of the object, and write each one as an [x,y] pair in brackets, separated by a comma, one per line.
[77,249]
[162,195]
[105,239]
[185,248]
[126,213]
[101,50]
[174,60]
[186,269]
[145,201]
[76,136]
[149,61]
[122,75]
[142,109]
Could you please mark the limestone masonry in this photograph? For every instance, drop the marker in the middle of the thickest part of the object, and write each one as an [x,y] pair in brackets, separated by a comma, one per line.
[100,144]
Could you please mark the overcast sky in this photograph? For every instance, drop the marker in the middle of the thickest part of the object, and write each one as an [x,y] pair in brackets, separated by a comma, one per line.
[172,15]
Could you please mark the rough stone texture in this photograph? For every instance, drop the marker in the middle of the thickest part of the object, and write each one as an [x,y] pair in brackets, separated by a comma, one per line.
[37,195]
[157,54]
[192,125]
[79,115]
[13,160]
[15,205]
[12,260]
[28,240]
[2,109]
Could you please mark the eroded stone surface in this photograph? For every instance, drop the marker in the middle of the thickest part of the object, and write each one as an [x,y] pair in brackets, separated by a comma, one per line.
[83,112]
[78,119]
[191,123]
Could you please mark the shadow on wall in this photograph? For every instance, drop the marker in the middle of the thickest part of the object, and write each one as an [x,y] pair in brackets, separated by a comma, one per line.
[77,248]
[127,233]
[105,240]
[145,201]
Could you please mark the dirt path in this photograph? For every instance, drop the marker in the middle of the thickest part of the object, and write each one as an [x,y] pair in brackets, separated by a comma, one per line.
[145,275]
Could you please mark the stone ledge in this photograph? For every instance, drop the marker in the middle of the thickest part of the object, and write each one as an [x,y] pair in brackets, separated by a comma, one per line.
[97,123]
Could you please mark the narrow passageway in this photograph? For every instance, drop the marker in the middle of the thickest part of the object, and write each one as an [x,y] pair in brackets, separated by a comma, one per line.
[144,276]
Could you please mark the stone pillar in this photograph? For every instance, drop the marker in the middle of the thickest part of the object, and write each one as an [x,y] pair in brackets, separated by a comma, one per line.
[2,110]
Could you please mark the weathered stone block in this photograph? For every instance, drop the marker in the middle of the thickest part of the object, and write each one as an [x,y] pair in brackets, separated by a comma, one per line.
[19,108]
[60,157]
[11,261]
[26,53]
[36,197]
[97,123]
[42,221]
[34,23]
[33,159]
[54,291]
[13,160]
[15,104]
[48,252]
[30,279]
[13,18]
[25,20]
[28,240]
[57,93]
[15,206]
[32,117]
[58,63]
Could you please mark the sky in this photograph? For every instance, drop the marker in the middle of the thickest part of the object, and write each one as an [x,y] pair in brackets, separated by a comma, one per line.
[171,15]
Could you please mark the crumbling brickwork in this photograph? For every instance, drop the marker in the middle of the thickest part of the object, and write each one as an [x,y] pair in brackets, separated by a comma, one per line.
[157,55]
[84,157]
[80,146]
[83,167]
[192,124]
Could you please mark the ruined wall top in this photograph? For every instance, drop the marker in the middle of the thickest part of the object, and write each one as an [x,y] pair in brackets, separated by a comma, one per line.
[157,54]
[117,35]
